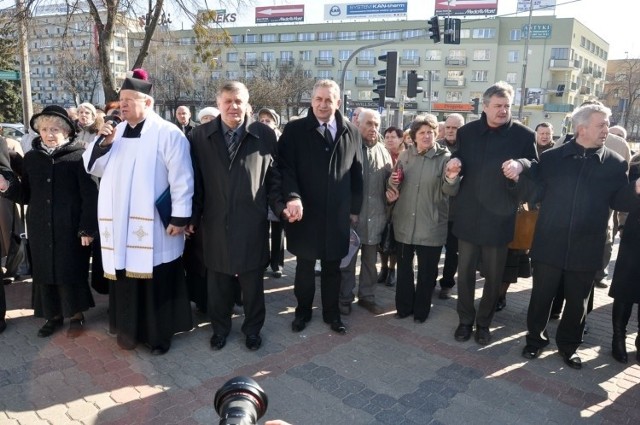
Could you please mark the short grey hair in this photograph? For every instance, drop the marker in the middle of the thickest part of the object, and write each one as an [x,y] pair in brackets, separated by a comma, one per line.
[583,113]
[364,112]
[330,84]
[458,117]
[500,89]
[55,120]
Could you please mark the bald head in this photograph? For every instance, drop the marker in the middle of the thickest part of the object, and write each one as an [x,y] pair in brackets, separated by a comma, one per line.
[369,126]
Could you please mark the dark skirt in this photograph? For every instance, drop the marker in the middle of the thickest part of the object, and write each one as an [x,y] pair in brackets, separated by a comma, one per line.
[518,265]
[150,311]
[49,301]
[625,285]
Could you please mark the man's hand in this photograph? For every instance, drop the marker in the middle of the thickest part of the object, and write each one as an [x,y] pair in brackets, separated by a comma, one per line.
[637,186]
[4,184]
[453,168]
[175,230]
[86,240]
[107,130]
[294,210]
[392,195]
[354,220]
[512,169]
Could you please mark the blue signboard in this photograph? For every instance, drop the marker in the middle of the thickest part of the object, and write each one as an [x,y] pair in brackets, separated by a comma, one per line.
[334,11]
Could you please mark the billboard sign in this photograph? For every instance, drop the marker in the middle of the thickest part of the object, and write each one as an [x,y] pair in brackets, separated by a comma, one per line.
[524,5]
[539,31]
[334,11]
[276,14]
[466,7]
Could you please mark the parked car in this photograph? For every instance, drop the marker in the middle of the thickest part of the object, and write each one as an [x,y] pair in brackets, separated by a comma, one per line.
[15,131]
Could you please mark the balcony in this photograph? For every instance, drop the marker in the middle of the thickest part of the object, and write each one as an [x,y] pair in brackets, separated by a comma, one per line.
[365,61]
[587,70]
[325,61]
[454,82]
[598,74]
[563,64]
[456,61]
[284,62]
[555,86]
[364,82]
[585,90]
[558,107]
[249,62]
[410,61]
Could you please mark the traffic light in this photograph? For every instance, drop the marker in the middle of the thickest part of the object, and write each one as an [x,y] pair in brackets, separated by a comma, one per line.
[434,29]
[380,89]
[390,73]
[452,30]
[412,84]
[475,102]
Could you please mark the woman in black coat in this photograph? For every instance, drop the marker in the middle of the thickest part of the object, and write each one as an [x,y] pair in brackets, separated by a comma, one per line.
[61,220]
[625,286]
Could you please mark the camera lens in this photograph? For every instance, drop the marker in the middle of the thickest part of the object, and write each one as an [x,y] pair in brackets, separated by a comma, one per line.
[240,401]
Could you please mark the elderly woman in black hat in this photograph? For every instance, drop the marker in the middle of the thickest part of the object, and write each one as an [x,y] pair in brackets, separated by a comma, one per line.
[61,220]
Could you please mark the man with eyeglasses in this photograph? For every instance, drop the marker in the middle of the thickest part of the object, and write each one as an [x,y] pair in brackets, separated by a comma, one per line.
[144,205]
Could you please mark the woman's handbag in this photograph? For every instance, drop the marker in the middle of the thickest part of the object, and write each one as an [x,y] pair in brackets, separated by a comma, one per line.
[387,243]
[525,227]
[18,256]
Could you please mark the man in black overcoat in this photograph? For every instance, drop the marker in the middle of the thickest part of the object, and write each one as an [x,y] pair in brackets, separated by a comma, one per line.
[235,178]
[320,159]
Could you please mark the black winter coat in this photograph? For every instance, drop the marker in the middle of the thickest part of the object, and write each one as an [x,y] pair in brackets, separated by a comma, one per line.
[625,285]
[329,182]
[230,199]
[578,187]
[63,201]
[486,204]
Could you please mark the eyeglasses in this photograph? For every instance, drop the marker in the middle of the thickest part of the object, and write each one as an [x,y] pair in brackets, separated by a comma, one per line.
[127,101]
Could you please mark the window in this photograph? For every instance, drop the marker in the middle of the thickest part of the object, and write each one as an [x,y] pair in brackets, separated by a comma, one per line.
[346,35]
[232,57]
[515,35]
[410,54]
[454,96]
[325,36]
[433,55]
[305,55]
[482,55]
[235,39]
[267,56]
[435,75]
[367,35]
[413,33]
[307,73]
[457,54]
[185,41]
[483,33]
[367,54]
[479,75]
[306,36]
[559,53]
[512,78]
[286,55]
[269,38]
[513,56]
[348,75]
[390,35]
[364,74]
[583,41]
[287,37]
[324,74]
[343,55]
[325,54]
[465,33]
[251,38]
[216,75]
[233,75]
[365,94]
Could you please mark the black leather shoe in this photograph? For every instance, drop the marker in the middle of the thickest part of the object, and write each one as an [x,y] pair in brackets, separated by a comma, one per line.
[277,274]
[483,335]
[298,324]
[619,349]
[253,342]
[218,342]
[463,332]
[382,276]
[159,350]
[555,316]
[391,278]
[339,327]
[402,315]
[572,360]
[3,325]
[50,327]
[530,352]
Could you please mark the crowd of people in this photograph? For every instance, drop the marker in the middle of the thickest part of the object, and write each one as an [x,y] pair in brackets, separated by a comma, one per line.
[174,213]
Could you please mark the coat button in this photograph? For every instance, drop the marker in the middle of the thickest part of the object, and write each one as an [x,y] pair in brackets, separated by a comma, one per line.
[48,180]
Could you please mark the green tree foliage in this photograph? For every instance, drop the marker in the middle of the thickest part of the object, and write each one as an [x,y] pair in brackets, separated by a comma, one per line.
[10,97]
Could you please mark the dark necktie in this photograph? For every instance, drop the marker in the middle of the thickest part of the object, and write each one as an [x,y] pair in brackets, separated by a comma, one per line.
[327,134]
[232,144]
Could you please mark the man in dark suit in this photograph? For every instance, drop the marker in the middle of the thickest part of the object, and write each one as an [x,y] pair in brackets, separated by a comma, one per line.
[321,165]
[5,167]
[183,120]
[235,179]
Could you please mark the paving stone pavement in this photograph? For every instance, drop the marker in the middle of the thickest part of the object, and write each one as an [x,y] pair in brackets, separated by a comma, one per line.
[384,371]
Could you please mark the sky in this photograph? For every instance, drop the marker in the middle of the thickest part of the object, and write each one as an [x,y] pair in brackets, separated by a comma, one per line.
[613,20]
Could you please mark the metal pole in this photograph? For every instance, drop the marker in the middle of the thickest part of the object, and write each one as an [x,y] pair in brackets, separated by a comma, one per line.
[429,76]
[25,71]
[524,63]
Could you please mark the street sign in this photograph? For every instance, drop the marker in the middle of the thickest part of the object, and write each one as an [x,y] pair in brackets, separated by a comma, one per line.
[10,75]
[546,5]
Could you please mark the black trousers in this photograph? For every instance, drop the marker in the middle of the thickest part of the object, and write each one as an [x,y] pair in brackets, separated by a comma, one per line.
[305,288]
[222,290]
[450,259]
[577,289]
[493,262]
[277,246]
[3,300]
[410,298]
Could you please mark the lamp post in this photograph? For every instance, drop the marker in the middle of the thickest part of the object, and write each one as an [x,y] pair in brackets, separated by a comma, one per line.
[246,40]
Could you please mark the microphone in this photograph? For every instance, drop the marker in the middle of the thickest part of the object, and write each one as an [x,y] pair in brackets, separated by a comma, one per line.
[113,120]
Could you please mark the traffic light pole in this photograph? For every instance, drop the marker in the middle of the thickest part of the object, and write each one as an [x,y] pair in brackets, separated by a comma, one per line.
[524,65]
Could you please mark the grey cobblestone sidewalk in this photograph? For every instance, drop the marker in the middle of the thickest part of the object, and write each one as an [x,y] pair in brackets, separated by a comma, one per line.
[384,371]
